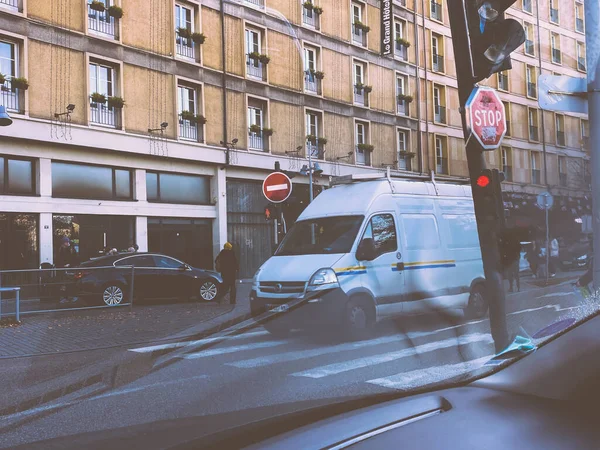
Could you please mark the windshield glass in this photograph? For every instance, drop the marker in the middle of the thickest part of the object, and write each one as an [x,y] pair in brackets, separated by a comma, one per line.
[323,235]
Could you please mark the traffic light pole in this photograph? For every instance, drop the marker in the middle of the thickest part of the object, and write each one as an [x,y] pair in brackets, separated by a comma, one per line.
[592,38]
[488,233]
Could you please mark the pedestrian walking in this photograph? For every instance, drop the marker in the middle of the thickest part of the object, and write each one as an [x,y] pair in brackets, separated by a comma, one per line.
[65,257]
[514,276]
[554,259]
[227,264]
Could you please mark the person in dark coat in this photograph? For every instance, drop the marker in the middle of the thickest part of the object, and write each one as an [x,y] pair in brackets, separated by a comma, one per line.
[65,257]
[227,264]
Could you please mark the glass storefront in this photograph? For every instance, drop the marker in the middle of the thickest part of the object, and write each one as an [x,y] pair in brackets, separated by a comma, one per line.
[92,236]
[19,247]
[189,240]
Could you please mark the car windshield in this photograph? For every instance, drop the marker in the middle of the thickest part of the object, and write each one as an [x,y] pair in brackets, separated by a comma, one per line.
[217,212]
[323,235]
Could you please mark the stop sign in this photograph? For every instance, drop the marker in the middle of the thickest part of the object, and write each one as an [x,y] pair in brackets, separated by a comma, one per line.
[277,187]
[486,119]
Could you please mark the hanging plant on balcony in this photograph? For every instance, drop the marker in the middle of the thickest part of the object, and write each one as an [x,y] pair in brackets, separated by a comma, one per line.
[2,78]
[319,75]
[198,38]
[367,89]
[97,6]
[322,140]
[308,5]
[115,11]
[255,128]
[365,147]
[361,26]
[405,98]
[185,33]
[403,42]
[19,83]
[317,10]
[116,102]
[311,138]
[188,115]
[264,58]
[267,131]
[98,98]
[200,119]
[407,154]
[359,87]
[254,55]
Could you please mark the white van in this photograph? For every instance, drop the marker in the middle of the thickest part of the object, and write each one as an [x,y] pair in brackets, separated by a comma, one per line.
[367,249]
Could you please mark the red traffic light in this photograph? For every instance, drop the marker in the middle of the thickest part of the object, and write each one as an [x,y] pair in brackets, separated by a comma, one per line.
[483,181]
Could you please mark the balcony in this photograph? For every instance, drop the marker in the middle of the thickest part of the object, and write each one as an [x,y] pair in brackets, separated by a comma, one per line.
[438,63]
[312,83]
[401,51]
[436,11]
[439,114]
[360,97]
[358,36]
[11,99]
[101,114]
[100,22]
[402,107]
[256,141]
[536,177]
[556,56]
[10,4]
[191,131]
[309,18]
[507,170]
[503,81]
[404,162]
[441,165]
[315,150]
[256,3]
[562,179]
[529,47]
[363,157]
[581,63]
[185,47]
[531,90]
[533,133]
[527,6]
[553,15]
[579,25]
[560,138]
[255,69]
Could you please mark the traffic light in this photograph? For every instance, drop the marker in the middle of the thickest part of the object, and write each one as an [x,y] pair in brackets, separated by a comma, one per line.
[269,210]
[492,37]
[488,193]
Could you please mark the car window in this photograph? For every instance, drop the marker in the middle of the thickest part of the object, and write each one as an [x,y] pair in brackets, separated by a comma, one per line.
[382,230]
[166,263]
[136,261]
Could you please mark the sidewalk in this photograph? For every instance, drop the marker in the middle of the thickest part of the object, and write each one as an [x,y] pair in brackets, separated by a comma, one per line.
[69,331]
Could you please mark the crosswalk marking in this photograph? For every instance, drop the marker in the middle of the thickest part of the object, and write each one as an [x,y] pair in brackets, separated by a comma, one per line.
[154,348]
[233,349]
[333,369]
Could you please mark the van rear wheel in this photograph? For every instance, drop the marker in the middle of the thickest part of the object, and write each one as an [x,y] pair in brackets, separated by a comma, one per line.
[478,305]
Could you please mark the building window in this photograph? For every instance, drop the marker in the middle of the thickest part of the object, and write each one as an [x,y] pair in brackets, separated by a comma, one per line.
[402,147]
[562,171]
[191,121]
[360,95]
[314,135]
[359,34]
[559,122]
[401,43]
[258,134]
[527,6]
[581,57]
[310,17]
[536,177]
[255,68]
[100,22]
[312,75]
[164,187]
[503,81]
[437,52]
[71,180]
[439,103]
[533,125]
[529,37]
[17,176]
[436,10]
[531,78]
[256,3]
[102,88]
[402,98]
[555,45]
[507,115]
[184,27]
[579,14]
[19,237]
[584,133]
[12,99]
[441,155]
[363,154]
[554,17]
[506,155]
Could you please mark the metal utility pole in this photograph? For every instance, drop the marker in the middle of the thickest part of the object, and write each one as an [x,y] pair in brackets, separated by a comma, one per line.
[310,176]
[592,39]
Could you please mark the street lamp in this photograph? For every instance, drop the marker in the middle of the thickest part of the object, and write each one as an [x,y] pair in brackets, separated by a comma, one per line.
[5,119]
[227,145]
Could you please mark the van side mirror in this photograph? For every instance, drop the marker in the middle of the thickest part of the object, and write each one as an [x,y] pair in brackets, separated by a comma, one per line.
[366,250]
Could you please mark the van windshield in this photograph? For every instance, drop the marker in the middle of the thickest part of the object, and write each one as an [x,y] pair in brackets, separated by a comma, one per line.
[318,236]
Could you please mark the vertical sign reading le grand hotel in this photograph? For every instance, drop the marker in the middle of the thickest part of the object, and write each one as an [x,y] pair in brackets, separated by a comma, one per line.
[386,27]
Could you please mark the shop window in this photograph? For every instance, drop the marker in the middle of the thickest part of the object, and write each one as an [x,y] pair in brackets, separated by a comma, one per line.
[87,181]
[18,243]
[188,240]
[17,176]
[177,188]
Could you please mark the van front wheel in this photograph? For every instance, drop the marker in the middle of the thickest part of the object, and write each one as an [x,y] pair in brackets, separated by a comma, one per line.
[478,305]
[358,318]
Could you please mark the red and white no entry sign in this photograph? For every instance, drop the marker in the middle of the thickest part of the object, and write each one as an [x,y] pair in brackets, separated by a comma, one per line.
[277,187]
[486,117]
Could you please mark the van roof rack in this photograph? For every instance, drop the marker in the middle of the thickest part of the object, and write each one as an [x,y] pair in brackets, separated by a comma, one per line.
[355,177]
[388,174]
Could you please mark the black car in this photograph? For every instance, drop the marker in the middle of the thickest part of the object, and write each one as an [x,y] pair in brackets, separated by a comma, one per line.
[106,280]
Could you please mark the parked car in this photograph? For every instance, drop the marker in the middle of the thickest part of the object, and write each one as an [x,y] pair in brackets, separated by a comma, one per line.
[106,280]
[574,256]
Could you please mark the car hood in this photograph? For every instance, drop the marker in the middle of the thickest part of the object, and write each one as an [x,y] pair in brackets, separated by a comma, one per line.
[296,267]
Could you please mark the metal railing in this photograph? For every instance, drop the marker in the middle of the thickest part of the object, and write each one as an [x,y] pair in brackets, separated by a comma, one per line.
[556,56]
[562,179]
[315,150]
[507,170]
[256,141]
[438,63]
[531,89]
[404,162]
[436,10]
[579,25]
[560,138]
[10,98]
[12,4]
[402,107]
[259,3]
[17,291]
[401,51]
[533,133]
[359,96]
[101,114]
[366,155]
[185,47]
[311,82]
[191,131]
[553,15]
[503,82]
[536,176]
[441,165]
[581,63]
[310,18]
[255,68]
[529,47]
[101,22]
[358,35]
[439,113]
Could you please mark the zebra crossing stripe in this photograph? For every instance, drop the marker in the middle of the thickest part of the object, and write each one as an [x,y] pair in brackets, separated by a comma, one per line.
[154,348]
[233,349]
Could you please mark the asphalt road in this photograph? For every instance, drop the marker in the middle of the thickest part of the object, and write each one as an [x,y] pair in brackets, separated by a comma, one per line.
[255,369]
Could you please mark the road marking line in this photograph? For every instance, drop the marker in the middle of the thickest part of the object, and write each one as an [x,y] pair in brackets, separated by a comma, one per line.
[148,386]
[557,294]
[423,377]
[334,369]
[235,348]
[277,187]
[154,348]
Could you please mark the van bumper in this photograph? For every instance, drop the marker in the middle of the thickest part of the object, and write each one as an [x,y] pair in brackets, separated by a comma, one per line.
[316,309]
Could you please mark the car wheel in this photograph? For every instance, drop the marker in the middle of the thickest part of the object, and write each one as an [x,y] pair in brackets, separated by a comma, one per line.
[209,291]
[359,316]
[113,295]
[478,305]
[277,329]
